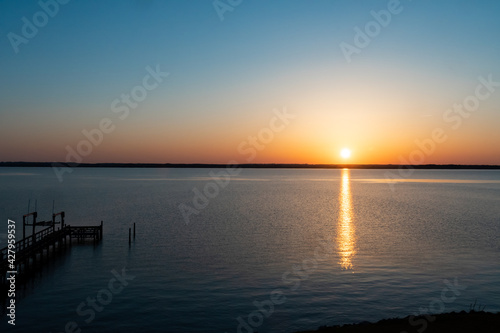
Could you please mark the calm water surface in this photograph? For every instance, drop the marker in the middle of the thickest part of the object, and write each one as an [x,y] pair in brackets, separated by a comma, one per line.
[328,246]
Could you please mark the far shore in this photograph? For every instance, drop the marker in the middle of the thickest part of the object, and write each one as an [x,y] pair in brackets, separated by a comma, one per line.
[456,322]
[250,166]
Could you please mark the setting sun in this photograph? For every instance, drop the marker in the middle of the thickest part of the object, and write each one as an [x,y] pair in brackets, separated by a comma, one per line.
[345,153]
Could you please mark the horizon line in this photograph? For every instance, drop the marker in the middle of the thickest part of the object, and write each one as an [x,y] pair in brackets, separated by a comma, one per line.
[246,165]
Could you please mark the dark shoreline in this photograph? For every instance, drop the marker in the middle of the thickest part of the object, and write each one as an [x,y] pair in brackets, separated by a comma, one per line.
[456,322]
[249,166]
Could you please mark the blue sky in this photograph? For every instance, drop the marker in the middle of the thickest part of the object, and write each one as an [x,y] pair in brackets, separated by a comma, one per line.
[226,76]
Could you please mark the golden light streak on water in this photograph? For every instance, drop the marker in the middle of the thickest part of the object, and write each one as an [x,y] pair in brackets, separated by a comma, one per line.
[345,234]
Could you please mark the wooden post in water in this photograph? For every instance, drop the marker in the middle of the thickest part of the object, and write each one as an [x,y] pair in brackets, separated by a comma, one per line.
[34,226]
[134,231]
[129,236]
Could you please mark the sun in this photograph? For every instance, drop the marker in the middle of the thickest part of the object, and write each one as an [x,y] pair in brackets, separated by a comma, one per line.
[345,153]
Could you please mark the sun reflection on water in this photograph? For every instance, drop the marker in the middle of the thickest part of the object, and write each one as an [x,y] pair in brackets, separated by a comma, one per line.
[345,233]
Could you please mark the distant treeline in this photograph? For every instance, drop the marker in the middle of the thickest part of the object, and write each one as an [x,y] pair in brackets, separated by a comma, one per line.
[248,166]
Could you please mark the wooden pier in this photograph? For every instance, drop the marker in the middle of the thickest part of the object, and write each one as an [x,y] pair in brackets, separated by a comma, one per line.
[32,251]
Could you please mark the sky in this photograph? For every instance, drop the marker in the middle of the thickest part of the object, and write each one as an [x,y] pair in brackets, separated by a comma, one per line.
[290,81]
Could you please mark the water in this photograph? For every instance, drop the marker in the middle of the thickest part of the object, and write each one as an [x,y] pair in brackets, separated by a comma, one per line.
[327,246]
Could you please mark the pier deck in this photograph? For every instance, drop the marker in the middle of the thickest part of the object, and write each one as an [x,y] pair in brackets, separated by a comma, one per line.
[33,251]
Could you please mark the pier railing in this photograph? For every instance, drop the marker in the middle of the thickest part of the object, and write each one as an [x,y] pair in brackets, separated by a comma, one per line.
[25,243]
